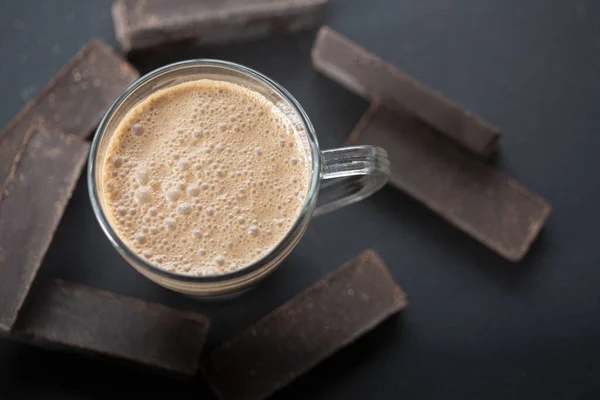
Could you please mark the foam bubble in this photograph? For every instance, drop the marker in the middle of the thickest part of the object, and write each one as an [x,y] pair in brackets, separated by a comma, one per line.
[193,190]
[137,129]
[183,164]
[140,238]
[173,194]
[210,271]
[184,208]
[170,223]
[143,195]
[142,175]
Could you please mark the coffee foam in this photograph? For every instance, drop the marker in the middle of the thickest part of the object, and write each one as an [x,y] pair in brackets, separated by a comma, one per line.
[205,178]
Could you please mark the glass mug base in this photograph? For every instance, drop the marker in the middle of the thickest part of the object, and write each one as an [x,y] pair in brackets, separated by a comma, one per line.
[338,177]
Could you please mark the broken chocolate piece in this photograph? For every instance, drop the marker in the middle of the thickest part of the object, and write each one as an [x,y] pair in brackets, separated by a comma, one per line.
[74,101]
[141,24]
[468,193]
[306,330]
[70,316]
[380,82]
[31,205]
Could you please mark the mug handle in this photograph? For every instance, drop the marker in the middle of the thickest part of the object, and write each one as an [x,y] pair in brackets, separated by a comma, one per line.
[350,174]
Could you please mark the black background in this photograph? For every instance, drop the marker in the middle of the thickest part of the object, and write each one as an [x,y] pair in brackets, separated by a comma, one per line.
[476,326]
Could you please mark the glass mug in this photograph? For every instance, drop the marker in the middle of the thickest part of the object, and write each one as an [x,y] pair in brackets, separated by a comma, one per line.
[338,177]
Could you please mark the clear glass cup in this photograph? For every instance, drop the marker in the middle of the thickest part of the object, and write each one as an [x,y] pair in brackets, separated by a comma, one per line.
[338,177]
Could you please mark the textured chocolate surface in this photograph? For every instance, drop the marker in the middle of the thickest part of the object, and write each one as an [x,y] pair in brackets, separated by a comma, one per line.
[32,203]
[71,316]
[306,330]
[468,193]
[369,76]
[147,23]
[73,102]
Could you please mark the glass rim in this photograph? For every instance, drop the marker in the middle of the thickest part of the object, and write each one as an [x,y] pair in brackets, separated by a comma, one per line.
[297,228]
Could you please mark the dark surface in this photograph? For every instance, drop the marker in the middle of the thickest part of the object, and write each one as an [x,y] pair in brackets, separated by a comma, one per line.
[476,326]
[68,316]
[336,311]
[468,193]
[367,75]
[32,204]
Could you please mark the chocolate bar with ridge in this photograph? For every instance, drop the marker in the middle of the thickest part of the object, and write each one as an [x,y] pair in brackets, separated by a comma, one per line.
[305,331]
[140,24]
[380,82]
[73,102]
[74,317]
[467,192]
[32,202]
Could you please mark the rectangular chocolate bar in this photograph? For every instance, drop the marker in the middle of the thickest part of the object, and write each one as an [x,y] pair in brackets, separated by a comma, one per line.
[141,24]
[74,101]
[468,193]
[70,316]
[306,330]
[31,205]
[380,82]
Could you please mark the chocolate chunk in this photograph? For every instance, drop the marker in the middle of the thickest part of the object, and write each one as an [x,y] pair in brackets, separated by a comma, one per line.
[141,24]
[74,101]
[70,316]
[468,193]
[31,205]
[306,330]
[380,82]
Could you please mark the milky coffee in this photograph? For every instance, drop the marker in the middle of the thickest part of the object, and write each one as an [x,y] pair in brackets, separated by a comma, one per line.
[205,178]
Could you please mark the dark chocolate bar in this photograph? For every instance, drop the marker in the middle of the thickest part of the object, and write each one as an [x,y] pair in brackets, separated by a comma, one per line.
[468,193]
[141,24]
[75,317]
[74,101]
[31,205]
[380,82]
[306,330]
